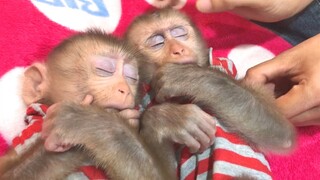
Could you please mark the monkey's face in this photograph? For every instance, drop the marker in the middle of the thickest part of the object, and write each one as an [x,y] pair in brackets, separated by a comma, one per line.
[94,64]
[113,81]
[167,37]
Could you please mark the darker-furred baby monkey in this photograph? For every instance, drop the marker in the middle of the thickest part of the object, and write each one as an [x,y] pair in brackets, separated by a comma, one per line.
[182,74]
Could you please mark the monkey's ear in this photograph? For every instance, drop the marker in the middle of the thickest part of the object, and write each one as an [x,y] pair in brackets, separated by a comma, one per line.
[35,83]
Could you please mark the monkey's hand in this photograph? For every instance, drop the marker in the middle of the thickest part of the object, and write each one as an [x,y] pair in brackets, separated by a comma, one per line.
[183,124]
[67,125]
[179,82]
[53,141]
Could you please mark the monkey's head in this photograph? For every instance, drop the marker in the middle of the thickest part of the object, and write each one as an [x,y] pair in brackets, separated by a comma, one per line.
[168,36]
[91,63]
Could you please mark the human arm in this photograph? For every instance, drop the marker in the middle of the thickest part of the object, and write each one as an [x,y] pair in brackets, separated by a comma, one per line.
[264,11]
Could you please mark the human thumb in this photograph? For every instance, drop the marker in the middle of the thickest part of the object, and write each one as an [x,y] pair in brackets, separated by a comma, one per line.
[204,6]
[207,6]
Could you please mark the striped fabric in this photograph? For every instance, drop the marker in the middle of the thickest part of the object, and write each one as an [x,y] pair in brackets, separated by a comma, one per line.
[229,157]
[27,138]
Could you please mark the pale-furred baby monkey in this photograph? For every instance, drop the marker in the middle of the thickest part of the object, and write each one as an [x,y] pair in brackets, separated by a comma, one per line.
[170,39]
[102,72]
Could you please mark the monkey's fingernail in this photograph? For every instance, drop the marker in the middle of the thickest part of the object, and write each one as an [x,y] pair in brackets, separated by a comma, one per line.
[212,141]
[287,144]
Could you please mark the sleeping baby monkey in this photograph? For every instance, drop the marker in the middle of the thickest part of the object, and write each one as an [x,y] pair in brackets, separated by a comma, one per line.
[182,75]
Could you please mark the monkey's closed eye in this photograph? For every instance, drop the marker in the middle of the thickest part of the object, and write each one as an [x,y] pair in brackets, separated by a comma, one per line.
[131,73]
[104,65]
[155,42]
[103,72]
[179,32]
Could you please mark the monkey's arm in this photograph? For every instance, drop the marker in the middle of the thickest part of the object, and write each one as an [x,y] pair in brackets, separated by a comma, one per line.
[37,163]
[9,160]
[244,109]
[106,136]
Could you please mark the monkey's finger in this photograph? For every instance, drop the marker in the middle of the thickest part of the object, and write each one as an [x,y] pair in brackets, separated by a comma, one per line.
[52,111]
[207,124]
[188,140]
[130,114]
[47,124]
[55,144]
[201,138]
[88,99]
[134,123]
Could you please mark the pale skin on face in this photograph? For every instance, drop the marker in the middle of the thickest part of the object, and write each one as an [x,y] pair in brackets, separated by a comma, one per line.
[120,75]
[174,42]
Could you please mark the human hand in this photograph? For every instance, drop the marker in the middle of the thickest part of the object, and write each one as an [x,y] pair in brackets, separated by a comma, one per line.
[264,11]
[298,67]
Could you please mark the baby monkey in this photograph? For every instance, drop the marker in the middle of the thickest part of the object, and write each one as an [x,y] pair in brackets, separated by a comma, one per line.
[100,72]
[182,74]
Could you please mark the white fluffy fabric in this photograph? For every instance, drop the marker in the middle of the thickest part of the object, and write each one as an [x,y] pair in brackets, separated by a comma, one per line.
[12,108]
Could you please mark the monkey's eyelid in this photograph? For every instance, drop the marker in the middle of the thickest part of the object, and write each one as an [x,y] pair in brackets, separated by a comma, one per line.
[130,71]
[155,41]
[105,63]
[178,31]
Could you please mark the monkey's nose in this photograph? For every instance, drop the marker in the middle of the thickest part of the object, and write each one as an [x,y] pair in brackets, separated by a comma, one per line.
[178,52]
[121,91]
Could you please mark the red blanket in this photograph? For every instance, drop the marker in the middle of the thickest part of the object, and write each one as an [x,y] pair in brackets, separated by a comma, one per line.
[29,29]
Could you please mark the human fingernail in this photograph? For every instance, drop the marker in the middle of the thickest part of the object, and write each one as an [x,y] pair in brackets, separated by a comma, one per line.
[204,6]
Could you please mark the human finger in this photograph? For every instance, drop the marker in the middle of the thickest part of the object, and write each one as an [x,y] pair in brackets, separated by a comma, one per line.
[267,71]
[297,100]
[307,118]
[224,5]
